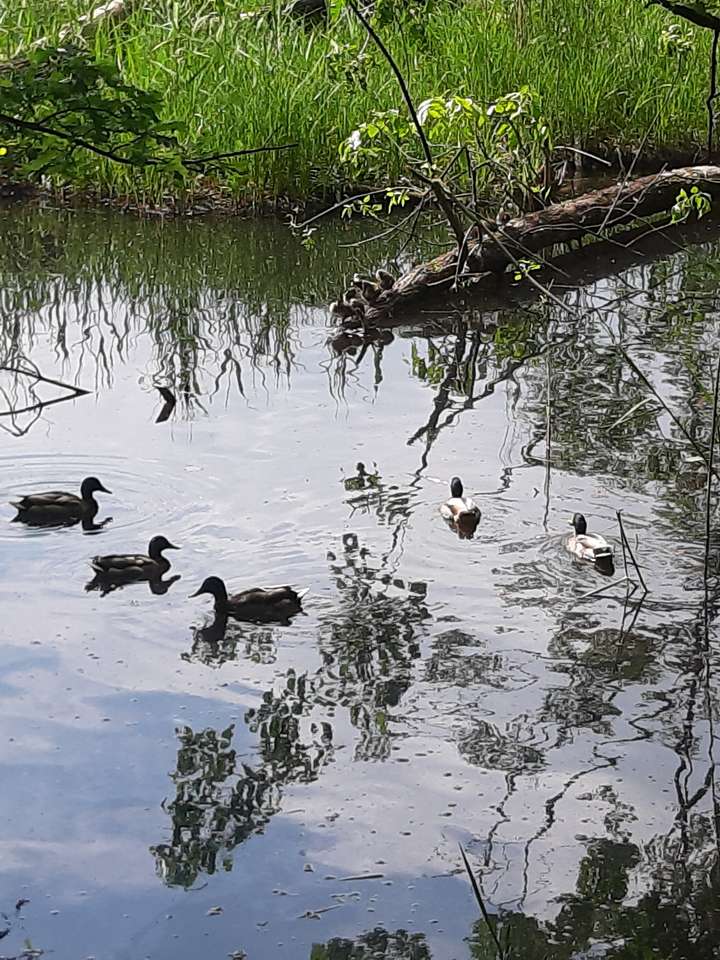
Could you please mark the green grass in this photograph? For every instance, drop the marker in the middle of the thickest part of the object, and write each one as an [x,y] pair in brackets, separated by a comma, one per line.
[236,82]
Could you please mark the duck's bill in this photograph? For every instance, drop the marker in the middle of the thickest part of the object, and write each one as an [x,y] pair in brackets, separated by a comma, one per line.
[196,594]
[104,489]
[171,546]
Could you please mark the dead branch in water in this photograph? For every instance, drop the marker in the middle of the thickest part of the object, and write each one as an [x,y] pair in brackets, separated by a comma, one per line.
[612,209]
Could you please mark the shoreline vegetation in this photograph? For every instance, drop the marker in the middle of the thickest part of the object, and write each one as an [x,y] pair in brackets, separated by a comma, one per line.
[611,77]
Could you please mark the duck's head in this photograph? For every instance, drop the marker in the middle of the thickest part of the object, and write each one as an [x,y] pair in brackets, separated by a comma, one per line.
[580,523]
[456,487]
[157,545]
[215,587]
[91,485]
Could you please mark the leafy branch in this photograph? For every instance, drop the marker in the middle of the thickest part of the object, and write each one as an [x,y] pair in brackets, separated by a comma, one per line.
[61,99]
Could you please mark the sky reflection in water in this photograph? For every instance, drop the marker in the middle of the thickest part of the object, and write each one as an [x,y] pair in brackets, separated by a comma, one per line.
[313,781]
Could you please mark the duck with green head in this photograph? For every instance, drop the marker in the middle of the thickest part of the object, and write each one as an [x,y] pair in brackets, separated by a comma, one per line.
[461,512]
[588,546]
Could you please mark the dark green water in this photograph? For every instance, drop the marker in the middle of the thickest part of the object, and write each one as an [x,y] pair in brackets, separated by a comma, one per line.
[173,791]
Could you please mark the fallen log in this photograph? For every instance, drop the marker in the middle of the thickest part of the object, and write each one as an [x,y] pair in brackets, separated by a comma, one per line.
[599,214]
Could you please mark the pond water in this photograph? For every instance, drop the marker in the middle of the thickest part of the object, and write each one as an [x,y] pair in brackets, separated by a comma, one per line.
[173,790]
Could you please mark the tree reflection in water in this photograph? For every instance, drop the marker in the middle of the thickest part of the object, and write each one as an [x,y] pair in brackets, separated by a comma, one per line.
[676,918]
[377,944]
[219,802]
[368,646]
[213,304]
[211,321]
[217,642]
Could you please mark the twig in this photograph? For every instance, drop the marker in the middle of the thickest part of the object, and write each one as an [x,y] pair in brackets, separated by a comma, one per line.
[34,127]
[481,904]
[444,201]
[583,153]
[211,158]
[626,416]
[713,90]
[708,488]
[78,391]
[400,79]
[34,374]
[607,586]
[548,438]
[345,202]
[626,542]
[691,440]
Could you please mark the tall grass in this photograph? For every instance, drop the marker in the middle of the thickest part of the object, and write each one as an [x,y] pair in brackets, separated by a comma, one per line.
[238,81]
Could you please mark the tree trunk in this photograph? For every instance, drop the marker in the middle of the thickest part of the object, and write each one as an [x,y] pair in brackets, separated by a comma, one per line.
[600,213]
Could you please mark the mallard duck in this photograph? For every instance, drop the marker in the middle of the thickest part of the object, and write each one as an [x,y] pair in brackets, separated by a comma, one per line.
[461,512]
[56,506]
[128,566]
[588,546]
[258,604]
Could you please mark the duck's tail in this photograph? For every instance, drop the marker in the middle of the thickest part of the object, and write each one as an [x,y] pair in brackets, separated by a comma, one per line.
[301,594]
[603,553]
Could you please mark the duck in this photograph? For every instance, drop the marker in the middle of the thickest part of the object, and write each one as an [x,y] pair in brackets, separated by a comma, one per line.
[368,290]
[258,604]
[135,566]
[57,506]
[462,513]
[588,546]
[385,280]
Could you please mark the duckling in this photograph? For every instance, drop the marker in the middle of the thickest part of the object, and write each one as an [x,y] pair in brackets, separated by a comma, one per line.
[127,567]
[588,546]
[56,506]
[461,512]
[342,309]
[357,305]
[386,281]
[257,605]
[369,290]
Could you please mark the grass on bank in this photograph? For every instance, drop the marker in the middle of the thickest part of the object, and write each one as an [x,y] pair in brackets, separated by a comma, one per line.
[238,81]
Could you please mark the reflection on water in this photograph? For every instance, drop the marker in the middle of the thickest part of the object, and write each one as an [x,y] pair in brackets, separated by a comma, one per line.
[164,766]
[367,650]
[156,585]
[377,944]
[217,642]
[219,802]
